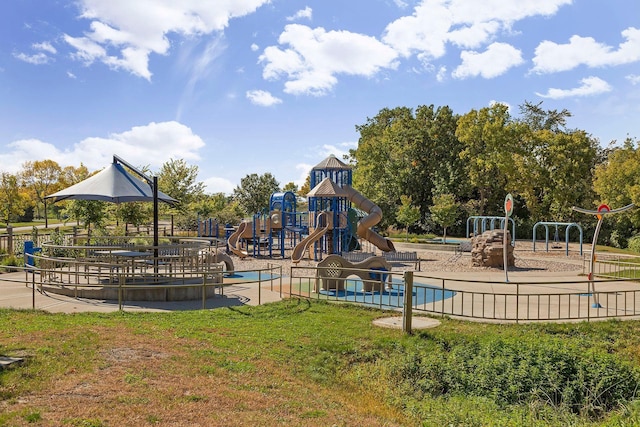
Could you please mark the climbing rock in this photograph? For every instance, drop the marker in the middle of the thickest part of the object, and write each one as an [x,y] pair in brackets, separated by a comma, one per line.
[487,250]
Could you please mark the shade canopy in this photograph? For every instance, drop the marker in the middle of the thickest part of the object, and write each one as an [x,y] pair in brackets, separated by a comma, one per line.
[112,184]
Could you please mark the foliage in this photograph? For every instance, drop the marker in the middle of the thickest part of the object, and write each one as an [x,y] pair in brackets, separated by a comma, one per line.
[305,187]
[179,180]
[477,157]
[134,213]
[254,192]
[41,177]
[407,214]
[89,212]
[291,186]
[13,201]
[617,184]
[444,212]
[11,260]
[633,244]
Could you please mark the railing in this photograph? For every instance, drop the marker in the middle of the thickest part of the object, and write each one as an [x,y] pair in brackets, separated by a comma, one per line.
[106,280]
[614,266]
[517,301]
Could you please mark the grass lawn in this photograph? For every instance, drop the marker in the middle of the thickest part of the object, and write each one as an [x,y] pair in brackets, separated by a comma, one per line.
[310,363]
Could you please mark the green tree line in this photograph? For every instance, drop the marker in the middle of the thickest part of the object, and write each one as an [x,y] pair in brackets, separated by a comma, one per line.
[22,197]
[479,157]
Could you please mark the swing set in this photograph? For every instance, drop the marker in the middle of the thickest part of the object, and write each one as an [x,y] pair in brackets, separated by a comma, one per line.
[556,238]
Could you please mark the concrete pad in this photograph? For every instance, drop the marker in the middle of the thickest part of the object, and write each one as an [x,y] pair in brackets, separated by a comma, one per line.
[416,322]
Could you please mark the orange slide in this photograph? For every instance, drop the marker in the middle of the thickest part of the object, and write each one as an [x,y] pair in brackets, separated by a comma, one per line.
[364,225]
[300,249]
[235,238]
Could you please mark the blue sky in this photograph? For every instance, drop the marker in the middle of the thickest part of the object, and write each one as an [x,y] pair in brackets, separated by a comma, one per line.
[254,86]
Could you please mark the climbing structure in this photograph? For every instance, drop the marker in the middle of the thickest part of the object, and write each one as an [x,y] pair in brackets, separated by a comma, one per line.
[330,202]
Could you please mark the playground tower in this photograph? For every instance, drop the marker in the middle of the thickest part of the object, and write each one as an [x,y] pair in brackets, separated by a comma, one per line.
[332,193]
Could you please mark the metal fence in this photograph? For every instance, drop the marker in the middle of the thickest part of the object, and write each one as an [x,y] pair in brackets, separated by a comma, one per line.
[491,301]
[107,280]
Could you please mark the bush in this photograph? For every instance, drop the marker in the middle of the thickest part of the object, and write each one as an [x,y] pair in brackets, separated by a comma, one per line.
[634,243]
[11,261]
[512,372]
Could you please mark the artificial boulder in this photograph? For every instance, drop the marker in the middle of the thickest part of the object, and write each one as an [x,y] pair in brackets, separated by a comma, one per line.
[487,249]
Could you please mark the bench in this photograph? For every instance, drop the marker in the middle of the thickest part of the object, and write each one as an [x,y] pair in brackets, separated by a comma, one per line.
[357,256]
[403,258]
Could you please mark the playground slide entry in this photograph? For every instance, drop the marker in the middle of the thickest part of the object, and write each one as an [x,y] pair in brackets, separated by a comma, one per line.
[300,249]
[235,238]
[219,256]
[364,225]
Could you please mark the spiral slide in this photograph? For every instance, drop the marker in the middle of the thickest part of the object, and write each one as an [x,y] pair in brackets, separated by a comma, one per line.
[300,249]
[235,238]
[364,225]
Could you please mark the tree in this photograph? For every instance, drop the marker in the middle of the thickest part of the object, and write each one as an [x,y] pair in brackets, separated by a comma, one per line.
[407,214]
[291,186]
[89,212]
[134,213]
[254,192]
[383,159]
[179,180]
[489,137]
[42,177]
[12,199]
[617,181]
[304,190]
[444,212]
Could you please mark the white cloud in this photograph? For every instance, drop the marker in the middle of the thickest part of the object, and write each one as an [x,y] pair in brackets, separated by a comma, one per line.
[39,58]
[551,57]
[314,57]
[149,145]
[495,61]
[305,13]
[35,59]
[633,78]
[589,86]
[441,75]
[254,47]
[262,98]
[435,23]
[216,184]
[123,35]
[46,47]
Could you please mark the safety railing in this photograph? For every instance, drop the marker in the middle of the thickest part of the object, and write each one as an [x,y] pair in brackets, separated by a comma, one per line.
[491,301]
[106,281]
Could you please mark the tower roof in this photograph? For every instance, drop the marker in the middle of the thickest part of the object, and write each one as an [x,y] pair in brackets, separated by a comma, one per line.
[327,188]
[332,162]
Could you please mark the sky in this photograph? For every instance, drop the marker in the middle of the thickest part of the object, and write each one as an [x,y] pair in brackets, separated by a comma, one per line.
[254,86]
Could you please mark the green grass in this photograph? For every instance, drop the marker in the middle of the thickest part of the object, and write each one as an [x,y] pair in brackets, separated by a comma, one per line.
[303,361]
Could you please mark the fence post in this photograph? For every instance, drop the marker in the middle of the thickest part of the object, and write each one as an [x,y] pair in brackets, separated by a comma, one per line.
[10,240]
[120,282]
[442,298]
[259,286]
[407,307]
[517,302]
[204,291]
[33,290]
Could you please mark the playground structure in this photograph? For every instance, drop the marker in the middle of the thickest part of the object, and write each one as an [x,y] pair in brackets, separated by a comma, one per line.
[334,270]
[556,239]
[331,225]
[480,225]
